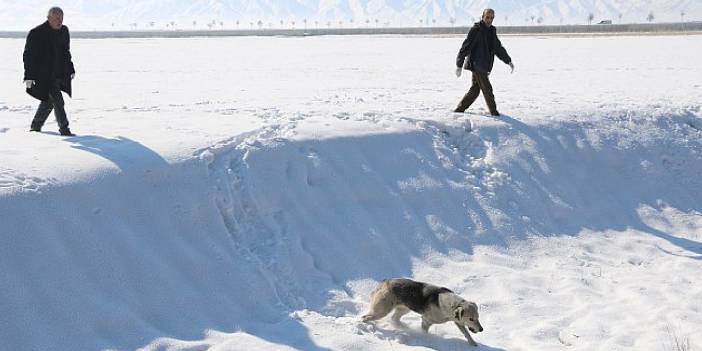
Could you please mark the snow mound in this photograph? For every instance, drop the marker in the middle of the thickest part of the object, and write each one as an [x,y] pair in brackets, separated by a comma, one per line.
[256,241]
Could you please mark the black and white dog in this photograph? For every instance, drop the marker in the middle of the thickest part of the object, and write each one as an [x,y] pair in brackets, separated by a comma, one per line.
[436,305]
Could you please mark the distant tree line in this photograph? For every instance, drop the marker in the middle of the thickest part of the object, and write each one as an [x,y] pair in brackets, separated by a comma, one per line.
[351,23]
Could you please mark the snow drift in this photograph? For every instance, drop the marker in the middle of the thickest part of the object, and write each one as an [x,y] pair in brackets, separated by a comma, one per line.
[248,231]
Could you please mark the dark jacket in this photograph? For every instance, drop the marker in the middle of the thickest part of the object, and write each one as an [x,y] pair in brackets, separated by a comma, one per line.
[481,46]
[47,56]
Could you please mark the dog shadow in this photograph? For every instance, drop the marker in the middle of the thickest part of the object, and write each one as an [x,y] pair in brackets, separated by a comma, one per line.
[407,335]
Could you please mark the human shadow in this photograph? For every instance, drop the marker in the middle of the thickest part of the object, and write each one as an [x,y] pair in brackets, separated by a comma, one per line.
[127,154]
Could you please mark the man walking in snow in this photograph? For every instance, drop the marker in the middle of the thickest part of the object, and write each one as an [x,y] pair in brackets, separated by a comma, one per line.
[48,69]
[477,55]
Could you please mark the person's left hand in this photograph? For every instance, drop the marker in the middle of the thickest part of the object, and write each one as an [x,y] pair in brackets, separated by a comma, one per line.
[73,75]
[459,70]
[511,65]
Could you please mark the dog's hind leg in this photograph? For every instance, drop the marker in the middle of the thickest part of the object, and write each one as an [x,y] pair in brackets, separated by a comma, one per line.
[400,311]
[377,311]
[381,304]
[379,308]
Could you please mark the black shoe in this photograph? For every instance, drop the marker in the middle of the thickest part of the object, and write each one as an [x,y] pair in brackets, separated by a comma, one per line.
[494,113]
[34,129]
[66,132]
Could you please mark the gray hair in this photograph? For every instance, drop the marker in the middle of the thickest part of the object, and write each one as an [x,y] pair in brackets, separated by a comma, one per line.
[55,11]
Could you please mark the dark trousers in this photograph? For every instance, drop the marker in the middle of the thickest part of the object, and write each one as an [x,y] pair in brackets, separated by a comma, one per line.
[481,82]
[55,103]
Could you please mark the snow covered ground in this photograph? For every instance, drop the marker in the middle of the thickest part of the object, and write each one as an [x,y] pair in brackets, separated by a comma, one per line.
[248,193]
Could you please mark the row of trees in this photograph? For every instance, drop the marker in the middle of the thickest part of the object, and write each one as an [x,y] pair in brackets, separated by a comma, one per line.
[650,17]
[238,24]
[213,24]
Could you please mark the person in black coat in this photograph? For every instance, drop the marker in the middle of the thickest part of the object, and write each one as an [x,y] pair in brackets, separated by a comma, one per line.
[48,69]
[477,54]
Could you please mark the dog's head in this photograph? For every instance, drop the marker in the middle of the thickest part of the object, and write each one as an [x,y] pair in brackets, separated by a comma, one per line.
[467,314]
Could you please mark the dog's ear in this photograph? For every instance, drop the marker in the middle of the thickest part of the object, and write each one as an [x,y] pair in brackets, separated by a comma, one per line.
[459,312]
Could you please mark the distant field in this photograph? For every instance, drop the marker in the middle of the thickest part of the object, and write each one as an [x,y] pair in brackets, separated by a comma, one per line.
[647,28]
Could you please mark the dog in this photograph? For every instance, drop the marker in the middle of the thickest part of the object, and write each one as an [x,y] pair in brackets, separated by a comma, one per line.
[436,305]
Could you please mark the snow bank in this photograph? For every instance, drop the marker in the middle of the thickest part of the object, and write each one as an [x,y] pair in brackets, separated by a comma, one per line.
[248,231]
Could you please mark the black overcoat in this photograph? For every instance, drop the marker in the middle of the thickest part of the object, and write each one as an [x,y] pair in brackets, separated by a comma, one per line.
[481,46]
[38,57]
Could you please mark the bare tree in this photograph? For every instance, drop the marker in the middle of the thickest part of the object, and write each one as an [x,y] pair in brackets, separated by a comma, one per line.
[682,16]
[506,18]
[590,17]
[260,24]
[620,18]
[452,20]
[281,23]
[539,20]
[532,18]
[650,17]
[237,24]
[304,20]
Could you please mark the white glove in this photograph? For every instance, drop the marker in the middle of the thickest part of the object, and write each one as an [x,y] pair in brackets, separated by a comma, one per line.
[511,65]
[459,70]
[73,75]
[29,83]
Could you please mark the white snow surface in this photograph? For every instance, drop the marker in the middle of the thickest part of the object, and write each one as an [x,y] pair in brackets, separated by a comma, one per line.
[249,193]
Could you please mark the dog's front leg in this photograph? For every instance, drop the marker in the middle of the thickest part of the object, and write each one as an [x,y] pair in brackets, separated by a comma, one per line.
[426,324]
[466,334]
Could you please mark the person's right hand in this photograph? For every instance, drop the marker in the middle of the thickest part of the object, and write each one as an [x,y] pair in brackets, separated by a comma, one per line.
[459,70]
[29,83]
